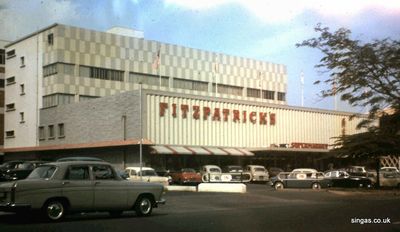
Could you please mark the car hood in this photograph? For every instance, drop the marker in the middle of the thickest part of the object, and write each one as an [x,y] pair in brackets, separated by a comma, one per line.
[6,185]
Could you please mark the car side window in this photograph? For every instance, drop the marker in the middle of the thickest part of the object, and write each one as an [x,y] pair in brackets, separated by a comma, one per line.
[77,173]
[103,172]
[133,173]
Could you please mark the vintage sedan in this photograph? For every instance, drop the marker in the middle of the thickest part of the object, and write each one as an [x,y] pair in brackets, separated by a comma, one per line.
[16,170]
[147,174]
[258,173]
[340,178]
[300,178]
[55,189]
[185,176]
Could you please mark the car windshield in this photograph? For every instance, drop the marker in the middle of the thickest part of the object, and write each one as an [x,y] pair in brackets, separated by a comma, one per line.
[188,170]
[42,172]
[149,173]
[259,169]
[235,169]
[215,170]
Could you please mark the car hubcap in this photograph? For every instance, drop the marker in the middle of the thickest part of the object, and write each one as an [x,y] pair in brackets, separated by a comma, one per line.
[55,211]
[315,186]
[145,206]
[279,186]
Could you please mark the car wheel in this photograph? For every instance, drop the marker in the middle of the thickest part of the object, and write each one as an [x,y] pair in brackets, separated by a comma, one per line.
[279,185]
[316,186]
[115,213]
[54,210]
[144,206]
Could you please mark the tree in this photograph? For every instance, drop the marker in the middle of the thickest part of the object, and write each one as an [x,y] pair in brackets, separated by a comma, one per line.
[363,74]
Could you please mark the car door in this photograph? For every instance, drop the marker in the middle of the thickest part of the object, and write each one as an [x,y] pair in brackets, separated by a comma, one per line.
[78,187]
[110,192]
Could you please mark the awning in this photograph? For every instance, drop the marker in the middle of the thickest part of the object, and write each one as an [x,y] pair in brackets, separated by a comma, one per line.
[199,150]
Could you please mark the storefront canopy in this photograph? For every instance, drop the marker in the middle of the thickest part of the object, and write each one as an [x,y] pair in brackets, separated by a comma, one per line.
[199,150]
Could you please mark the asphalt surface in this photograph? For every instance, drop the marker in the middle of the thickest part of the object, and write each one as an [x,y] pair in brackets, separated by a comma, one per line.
[260,209]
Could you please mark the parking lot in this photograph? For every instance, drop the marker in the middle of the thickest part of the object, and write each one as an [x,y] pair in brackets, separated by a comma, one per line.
[260,209]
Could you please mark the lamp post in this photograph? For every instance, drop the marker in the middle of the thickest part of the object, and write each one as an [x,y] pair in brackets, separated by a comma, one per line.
[141,135]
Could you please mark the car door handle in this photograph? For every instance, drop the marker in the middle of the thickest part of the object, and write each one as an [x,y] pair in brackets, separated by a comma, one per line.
[65,182]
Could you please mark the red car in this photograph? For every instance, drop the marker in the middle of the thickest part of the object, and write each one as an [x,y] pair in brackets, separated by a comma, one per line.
[186,176]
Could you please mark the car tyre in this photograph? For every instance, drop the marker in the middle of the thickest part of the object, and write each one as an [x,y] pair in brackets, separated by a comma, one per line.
[144,206]
[54,210]
[316,186]
[279,186]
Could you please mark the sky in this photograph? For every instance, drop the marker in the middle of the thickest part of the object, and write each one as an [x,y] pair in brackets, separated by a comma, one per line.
[258,29]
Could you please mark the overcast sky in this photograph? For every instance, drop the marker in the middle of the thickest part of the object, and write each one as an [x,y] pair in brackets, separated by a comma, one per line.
[259,29]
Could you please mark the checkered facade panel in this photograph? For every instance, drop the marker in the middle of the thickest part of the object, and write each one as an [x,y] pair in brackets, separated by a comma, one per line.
[116,52]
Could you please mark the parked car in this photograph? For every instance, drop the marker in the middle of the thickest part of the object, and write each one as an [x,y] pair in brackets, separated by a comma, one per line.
[273,171]
[387,179]
[186,176]
[258,173]
[356,170]
[389,169]
[16,170]
[78,186]
[340,178]
[146,175]
[237,173]
[210,173]
[300,178]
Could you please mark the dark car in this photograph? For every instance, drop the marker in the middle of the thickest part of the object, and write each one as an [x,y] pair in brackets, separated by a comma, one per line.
[340,178]
[17,169]
[273,171]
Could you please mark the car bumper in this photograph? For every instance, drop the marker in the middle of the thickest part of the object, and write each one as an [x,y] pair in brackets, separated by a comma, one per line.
[13,207]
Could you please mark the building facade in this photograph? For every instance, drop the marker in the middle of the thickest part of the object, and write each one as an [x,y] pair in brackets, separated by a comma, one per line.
[79,91]
[2,94]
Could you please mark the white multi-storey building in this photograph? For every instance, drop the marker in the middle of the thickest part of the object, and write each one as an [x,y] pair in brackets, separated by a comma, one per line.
[193,102]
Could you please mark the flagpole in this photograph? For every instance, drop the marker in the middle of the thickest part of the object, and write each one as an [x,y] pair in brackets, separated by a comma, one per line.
[302,88]
[259,79]
[159,64]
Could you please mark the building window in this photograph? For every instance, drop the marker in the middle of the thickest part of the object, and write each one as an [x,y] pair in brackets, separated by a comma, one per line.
[281,96]
[61,132]
[1,103]
[50,39]
[42,133]
[10,107]
[22,89]
[10,54]
[22,117]
[2,56]
[57,99]
[101,73]
[51,131]
[49,70]
[253,92]
[189,84]
[22,61]
[10,80]
[1,83]
[268,94]
[10,134]
[228,89]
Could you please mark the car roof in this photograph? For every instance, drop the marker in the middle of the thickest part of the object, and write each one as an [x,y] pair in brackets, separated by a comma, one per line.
[304,170]
[77,162]
[138,168]
[79,158]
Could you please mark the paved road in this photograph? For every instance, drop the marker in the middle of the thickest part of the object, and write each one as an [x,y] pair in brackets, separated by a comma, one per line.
[260,209]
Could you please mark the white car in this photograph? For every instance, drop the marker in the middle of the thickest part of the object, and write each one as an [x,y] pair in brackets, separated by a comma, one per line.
[147,175]
[210,173]
[389,169]
[258,172]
